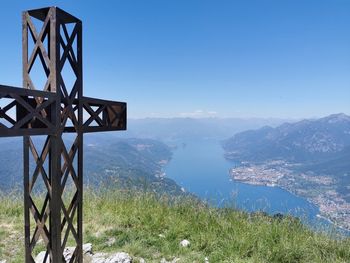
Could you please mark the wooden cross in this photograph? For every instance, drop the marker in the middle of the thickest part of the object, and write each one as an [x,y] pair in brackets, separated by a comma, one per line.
[59,108]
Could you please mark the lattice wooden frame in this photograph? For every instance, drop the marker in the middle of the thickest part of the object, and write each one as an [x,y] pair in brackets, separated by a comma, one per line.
[57,109]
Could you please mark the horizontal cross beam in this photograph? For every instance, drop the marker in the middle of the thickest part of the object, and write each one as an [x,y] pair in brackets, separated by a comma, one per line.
[25,112]
[101,115]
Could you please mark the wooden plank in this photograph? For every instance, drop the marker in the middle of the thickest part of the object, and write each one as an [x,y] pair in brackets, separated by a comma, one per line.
[26,198]
[5,92]
[97,102]
[45,61]
[6,132]
[66,17]
[40,13]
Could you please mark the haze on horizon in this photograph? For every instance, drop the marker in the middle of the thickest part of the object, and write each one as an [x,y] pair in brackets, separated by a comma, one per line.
[193,58]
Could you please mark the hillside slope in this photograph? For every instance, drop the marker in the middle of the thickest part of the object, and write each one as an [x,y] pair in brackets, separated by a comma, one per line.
[151,228]
[126,163]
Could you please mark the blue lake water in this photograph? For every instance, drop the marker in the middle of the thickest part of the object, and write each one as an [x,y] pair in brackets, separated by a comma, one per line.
[200,167]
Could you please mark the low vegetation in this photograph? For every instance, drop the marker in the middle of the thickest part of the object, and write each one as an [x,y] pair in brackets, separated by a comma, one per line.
[151,227]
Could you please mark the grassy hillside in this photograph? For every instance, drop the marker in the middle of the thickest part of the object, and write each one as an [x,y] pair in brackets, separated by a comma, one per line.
[150,227]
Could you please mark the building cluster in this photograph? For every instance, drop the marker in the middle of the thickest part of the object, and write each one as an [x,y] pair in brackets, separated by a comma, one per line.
[318,189]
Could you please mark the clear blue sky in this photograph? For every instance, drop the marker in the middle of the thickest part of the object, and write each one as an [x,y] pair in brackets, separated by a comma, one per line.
[166,58]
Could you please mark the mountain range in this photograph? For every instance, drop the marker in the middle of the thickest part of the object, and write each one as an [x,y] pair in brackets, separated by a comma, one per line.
[308,141]
[318,145]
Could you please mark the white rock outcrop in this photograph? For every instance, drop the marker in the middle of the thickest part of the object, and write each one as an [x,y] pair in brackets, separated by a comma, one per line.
[99,258]
[185,243]
[89,256]
[119,258]
[87,248]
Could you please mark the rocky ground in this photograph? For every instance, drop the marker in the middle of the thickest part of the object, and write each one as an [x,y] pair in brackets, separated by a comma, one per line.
[119,257]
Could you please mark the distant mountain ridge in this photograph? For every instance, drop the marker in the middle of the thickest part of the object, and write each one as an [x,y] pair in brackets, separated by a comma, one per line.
[169,129]
[128,163]
[304,141]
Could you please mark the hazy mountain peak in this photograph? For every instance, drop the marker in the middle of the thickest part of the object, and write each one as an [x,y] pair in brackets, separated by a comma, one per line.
[339,117]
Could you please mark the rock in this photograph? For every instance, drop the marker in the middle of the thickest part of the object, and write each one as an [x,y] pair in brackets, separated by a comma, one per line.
[87,248]
[161,235]
[185,243]
[67,253]
[141,260]
[99,258]
[40,257]
[120,257]
[3,261]
[110,241]
[206,260]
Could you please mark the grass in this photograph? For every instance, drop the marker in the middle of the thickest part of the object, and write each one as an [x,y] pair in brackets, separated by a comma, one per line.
[151,227]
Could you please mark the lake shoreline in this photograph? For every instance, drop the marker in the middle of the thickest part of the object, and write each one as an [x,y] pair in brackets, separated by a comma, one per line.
[201,169]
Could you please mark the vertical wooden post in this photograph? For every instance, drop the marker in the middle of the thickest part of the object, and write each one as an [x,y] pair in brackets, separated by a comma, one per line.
[55,153]
[26,146]
[80,136]
[60,216]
